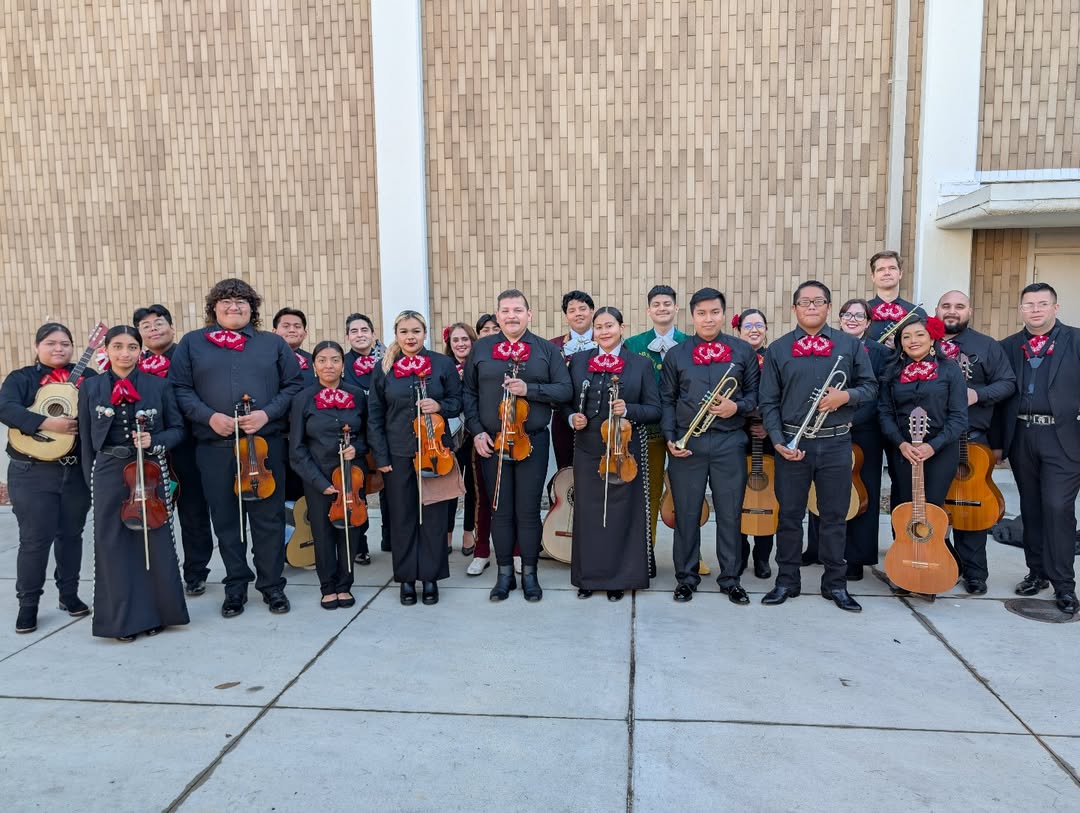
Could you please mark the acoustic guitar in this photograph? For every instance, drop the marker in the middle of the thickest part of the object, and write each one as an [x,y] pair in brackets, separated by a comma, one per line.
[667,506]
[859,500]
[558,535]
[300,549]
[919,560]
[57,400]
[760,509]
[974,502]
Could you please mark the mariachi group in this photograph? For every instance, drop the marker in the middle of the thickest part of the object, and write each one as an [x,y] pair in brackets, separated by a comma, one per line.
[229,422]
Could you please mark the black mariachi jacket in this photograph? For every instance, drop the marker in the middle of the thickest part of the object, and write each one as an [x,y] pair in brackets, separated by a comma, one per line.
[165,424]
[314,434]
[991,375]
[392,406]
[876,327]
[637,386]
[18,392]
[944,399]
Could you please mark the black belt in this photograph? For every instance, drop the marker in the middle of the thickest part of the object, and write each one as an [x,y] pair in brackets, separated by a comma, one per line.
[824,432]
[1037,420]
[119,452]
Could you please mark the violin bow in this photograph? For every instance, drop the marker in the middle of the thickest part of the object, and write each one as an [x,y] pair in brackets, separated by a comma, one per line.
[419,451]
[239,473]
[607,445]
[502,432]
[140,419]
[346,488]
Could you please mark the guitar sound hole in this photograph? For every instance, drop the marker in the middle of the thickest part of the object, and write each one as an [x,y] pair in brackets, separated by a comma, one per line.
[55,410]
[570,495]
[963,471]
[757,482]
[920,531]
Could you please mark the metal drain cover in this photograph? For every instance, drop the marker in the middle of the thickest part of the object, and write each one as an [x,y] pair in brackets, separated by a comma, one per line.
[1039,610]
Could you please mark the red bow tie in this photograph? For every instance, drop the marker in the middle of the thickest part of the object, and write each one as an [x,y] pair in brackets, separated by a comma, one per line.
[334,399]
[888,312]
[155,364]
[950,349]
[416,365]
[812,346]
[229,339]
[1034,346]
[511,351]
[123,392]
[919,371]
[302,361]
[708,352]
[363,365]
[460,370]
[101,360]
[606,363]
[58,376]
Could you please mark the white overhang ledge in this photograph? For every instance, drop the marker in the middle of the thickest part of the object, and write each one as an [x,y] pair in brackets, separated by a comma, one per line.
[1011,200]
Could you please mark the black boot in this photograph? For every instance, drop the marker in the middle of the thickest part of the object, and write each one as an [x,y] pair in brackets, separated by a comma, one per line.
[530,586]
[504,583]
[27,620]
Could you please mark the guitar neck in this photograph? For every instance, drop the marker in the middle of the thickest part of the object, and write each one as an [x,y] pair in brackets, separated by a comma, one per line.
[80,368]
[918,492]
[756,445]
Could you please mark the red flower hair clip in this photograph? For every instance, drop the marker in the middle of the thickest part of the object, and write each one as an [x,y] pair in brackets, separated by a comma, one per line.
[936,328]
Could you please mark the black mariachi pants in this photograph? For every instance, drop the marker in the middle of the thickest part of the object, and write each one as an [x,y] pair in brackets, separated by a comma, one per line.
[332,562]
[719,461]
[827,462]
[516,522]
[266,518]
[1047,480]
[50,503]
[418,550]
[193,513]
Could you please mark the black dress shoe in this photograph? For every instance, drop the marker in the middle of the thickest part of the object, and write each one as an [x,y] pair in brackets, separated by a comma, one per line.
[683,593]
[125,639]
[614,595]
[362,559]
[652,562]
[347,602]
[408,593]
[781,593]
[153,631]
[842,599]
[504,583]
[976,587]
[27,620]
[431,593]
[333,604]
[74,606]
[1067,603]
[762,570]
[1031,585]
[854,573]
[195,588]
[736,594]
[279,604]
[233,605]
[530,585]
[583,593]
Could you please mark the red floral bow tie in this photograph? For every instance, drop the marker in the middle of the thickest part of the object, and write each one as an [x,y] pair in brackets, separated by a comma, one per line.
[334,399]
[708,352]
[363,365]
[950,349]
[606,363]
[511,351]
[460,370]
[301,360]
[229,339]
[123,392]
[155,364]
[416,365]
[888,312]
[760,360]
[812,346]
[919,371]
[1034,346]
[58,376]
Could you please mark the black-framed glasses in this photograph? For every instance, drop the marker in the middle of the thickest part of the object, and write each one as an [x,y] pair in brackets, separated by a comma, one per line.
[820,302]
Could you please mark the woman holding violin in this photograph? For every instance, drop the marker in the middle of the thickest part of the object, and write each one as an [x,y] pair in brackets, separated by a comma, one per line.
[616,397]
[127,421]
[50,498]
[413,392]
[327,445]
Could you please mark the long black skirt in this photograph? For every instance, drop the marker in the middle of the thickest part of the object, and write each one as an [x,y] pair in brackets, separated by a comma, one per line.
[615,556]
[128,598]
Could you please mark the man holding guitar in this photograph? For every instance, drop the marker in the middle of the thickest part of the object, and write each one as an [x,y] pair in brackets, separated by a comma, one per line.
[990,380]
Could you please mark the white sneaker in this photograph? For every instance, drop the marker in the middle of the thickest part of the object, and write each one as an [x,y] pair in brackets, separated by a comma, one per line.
[517,565]
[478,565]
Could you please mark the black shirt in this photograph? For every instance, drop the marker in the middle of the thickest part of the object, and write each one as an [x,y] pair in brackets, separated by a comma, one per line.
[944,399]
[392,406]
[545,374]
[210,379]
[684,385]
[866,413]
[18,392]
[1035,386]
[637,387]
[990,375]
[314,434]
[788,383]
[307,366]
[877,327]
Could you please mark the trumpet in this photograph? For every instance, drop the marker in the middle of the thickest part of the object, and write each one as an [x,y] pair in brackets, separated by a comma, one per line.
[703,420]
[836,378]
[887,334]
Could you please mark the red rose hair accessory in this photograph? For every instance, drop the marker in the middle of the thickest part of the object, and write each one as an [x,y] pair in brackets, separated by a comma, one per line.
[935,327]
[446,335]
[736,321]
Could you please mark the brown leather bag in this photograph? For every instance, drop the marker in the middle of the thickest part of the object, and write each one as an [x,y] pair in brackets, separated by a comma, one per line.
[450,486]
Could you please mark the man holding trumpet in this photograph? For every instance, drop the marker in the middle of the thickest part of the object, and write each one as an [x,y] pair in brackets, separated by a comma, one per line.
[811,382]
[708,385]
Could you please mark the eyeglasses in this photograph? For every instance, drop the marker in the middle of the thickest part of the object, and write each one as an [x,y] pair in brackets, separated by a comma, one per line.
[820,302]
[239,304]
[853,317]
[1042,306]
[753,325]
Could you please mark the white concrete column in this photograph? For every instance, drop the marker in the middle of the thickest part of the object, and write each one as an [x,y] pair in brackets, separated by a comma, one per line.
[397,60]
[948,140]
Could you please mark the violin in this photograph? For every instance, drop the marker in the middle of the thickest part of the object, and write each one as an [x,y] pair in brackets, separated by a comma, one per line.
[432,458]
[143,508]
[617,465]
[253,478]
[513,442]
[348,479]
